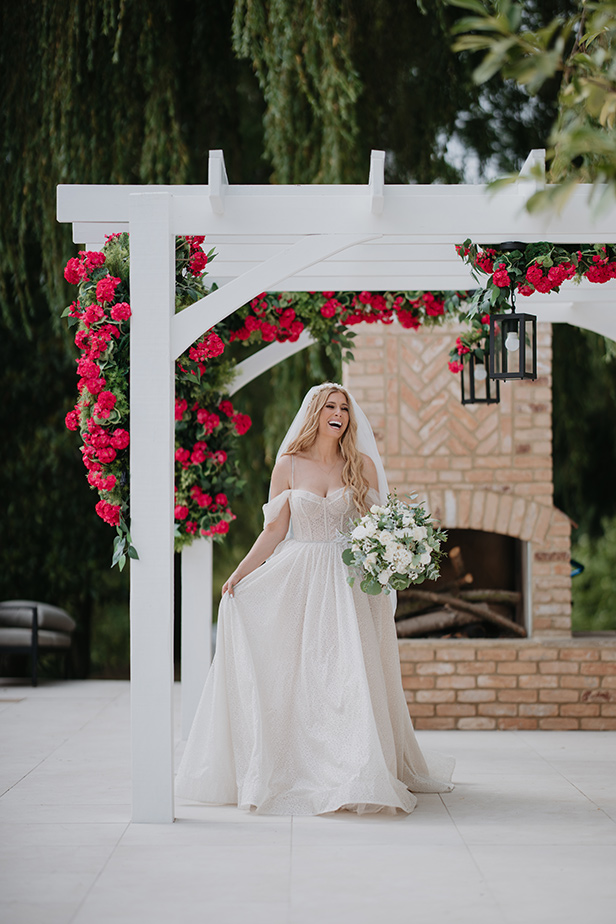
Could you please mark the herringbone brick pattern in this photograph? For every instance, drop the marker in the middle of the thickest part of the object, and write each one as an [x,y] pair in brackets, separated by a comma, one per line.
[479,467]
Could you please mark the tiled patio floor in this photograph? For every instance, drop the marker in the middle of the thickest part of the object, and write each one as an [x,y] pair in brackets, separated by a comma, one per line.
[527,837]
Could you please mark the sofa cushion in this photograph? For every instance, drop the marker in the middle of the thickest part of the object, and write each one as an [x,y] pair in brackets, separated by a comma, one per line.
[17,613]
[22,638]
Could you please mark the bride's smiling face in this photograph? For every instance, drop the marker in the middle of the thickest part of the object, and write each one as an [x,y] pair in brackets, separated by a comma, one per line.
[334,416]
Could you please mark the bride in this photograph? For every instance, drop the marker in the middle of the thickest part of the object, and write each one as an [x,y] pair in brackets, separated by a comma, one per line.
[303,710]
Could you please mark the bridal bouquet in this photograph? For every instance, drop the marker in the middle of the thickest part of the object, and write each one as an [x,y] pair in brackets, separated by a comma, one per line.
[393,546]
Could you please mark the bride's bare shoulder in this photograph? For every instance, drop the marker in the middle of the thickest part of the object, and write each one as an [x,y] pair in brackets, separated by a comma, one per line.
[281,474]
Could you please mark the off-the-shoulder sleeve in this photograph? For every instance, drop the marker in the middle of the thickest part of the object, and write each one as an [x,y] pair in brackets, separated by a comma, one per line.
[273,508]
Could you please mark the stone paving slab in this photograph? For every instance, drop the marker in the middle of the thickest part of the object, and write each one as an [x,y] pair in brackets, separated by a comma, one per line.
[528,836]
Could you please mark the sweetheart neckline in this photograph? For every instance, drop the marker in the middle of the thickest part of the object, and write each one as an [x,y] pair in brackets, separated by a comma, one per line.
[320,496]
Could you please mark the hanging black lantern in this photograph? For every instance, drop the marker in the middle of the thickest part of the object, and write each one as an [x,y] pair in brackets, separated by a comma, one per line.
[513,346]
[476,385]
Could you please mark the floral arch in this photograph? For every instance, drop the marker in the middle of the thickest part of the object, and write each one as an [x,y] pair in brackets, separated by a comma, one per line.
[372,238]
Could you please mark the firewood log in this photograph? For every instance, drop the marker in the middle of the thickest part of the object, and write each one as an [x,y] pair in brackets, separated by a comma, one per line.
[481,610]
[436,621]
[511,597]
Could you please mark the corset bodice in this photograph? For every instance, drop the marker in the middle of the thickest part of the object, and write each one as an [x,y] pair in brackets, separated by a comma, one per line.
[320,519]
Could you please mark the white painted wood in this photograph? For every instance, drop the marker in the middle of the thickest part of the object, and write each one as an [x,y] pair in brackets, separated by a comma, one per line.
[197,562]
[217,181]
[527,586]
[204,314]
[251,368]
[445,213]
[367,267]
[376,182]
[416,211]
[151,490]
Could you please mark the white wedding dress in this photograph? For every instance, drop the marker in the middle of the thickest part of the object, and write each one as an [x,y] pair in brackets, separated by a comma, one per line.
[303,710]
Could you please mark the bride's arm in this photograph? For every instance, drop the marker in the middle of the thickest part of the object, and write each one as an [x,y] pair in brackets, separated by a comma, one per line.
[272,534]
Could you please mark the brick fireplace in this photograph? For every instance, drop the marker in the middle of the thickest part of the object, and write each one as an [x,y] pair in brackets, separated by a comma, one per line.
[486,468]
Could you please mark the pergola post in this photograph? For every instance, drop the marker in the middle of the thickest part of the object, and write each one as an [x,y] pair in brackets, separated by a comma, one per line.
[197,561]
[152,386]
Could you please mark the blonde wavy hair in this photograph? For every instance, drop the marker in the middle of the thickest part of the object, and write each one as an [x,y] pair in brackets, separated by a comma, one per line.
[352,473]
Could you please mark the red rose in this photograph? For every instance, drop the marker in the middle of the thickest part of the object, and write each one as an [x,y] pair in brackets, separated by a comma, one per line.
[92,315]
[328,310]
[106,455]
[242,423]
[181,512]
[209,420]
[455,366]
[221,500]
[72,420]
[501,276]
[220,457]
[82,338]
[198,455]
[268,332]
[525,290]
[87,369]
[226,408]
[105,288]
[408,319]
[107,399]
[121,311]
[180,408]
[94,386]
[462,349]
[120,438]
[197,262]
[484,261]
[183,456]
[92,259]
[222,527]
[110,513]
[74,271]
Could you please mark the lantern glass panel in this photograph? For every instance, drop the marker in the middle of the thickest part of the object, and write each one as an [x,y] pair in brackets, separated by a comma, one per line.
[476,385]
[530,351]
[513,347]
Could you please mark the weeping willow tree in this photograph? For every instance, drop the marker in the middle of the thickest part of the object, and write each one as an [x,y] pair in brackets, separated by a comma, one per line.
[94,91]
[300,50]
[112,91]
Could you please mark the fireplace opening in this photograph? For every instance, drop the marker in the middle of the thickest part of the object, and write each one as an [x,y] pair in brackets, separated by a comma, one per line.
[481,591]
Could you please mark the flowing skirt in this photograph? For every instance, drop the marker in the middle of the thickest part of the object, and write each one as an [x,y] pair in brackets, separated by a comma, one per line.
[303,710]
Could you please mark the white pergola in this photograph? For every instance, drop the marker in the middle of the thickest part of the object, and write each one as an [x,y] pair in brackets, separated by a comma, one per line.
[272,238]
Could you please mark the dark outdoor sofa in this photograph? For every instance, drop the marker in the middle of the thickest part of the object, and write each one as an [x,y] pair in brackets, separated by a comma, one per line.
[30,627]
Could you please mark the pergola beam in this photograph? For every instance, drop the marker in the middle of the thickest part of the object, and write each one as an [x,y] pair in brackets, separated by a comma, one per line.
[189,324]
